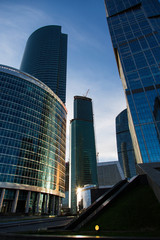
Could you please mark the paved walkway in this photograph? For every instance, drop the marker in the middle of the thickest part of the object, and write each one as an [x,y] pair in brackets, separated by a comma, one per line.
[25,224]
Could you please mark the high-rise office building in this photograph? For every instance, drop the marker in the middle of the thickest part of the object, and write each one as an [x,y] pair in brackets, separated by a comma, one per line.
[32,144]
[135,32]
[45,58]
[125,149]
[83,164]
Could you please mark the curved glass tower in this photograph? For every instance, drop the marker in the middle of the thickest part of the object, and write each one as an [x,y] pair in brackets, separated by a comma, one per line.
[83,163]
[32,144]
[125,149]
[45,57]
[135,31]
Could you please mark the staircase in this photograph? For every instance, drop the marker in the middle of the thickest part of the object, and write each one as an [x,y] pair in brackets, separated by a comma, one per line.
[97,206]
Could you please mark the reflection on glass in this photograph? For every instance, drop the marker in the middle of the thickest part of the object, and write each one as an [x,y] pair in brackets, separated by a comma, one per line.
[32,130]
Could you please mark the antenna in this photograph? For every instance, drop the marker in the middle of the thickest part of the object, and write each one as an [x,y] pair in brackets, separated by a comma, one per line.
[97,155]
[87,93]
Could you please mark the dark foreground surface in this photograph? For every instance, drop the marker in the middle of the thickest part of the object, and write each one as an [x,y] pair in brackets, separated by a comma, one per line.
[10,236]
[42,228]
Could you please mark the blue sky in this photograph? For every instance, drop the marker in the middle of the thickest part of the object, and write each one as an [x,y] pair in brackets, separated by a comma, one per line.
[90,62]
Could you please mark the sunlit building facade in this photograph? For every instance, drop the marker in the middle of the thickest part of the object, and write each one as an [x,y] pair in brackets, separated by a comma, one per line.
[125,149]
[45,57]
[65,201]
[83,163]
[134,27]
[32,144]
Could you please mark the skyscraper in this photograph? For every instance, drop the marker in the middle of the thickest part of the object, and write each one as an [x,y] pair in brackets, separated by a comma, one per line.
[83,164]
[45,58]
[32,145]
[135,32]
[125,149]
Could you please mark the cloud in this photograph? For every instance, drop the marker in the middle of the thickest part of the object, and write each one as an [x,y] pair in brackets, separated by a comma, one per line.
[15,24]
[105,111]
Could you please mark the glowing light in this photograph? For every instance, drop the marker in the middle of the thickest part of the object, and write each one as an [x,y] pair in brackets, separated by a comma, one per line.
[79,190]
[97,227]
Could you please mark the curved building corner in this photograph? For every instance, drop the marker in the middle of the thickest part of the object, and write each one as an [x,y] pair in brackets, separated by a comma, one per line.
[45,57]
[32,145]
[125,149]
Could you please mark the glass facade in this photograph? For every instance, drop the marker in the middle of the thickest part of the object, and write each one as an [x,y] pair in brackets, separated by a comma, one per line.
[45,58]
[83,164]
[32,136]
[125,149]
[135,32]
